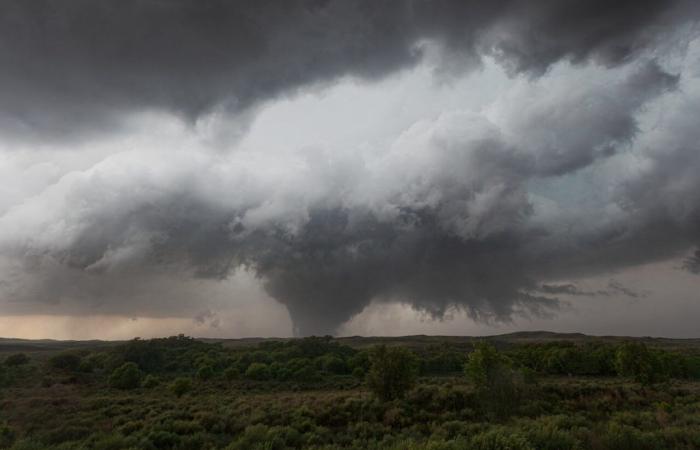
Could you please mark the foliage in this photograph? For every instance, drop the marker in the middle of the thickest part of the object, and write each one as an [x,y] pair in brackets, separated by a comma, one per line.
[232,373]
[127,376]
[65,361]
[205,372]
[308,394]
[150,381]
[17,359]
[635,360]
[496,381]
[258,371]
[7,435]
[181,386]
[392,372]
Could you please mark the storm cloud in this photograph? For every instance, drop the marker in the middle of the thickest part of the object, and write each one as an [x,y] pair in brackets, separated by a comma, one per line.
[587,163]
[81,66]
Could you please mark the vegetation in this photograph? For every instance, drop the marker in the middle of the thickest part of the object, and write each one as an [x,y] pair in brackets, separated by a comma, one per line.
[319,393]
[392,372]
[126,376]
[16,359]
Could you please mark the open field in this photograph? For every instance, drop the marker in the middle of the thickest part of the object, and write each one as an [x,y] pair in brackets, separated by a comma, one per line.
[519,391]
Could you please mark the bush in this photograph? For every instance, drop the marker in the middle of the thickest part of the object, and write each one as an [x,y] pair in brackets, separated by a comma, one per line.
[127,376]
[181,386]
[333,364]
[17,359]
[497,439]
[622,437]
[392,372]
[205,373]
[150,382]
[163,439]
[358,372]
[65,361]
[231,373]
[258,371]
[7,435]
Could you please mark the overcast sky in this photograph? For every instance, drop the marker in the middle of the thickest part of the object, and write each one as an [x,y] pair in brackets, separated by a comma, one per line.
[349,167]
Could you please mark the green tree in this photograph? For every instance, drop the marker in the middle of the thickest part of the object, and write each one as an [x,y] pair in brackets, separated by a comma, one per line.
[333,364]
[496,382]
[392,372]
[636,360]
[181,386]
[205,372]
[127,376]
[258,371]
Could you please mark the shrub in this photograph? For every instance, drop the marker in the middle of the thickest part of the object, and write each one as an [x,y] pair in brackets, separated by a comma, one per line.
[392,372]
[231,373]
[163,439]
[358,372]
[65,361]
[263,438]
[258,371]
[622,437]
[205,372]
[181,386]
[16,359]
[127,376]
[7,435]
[306,373]
[150,382]
[546,436]
[333,364]
[498,439]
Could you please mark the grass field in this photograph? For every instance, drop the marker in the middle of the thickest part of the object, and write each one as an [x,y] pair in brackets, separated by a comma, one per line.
[542,391]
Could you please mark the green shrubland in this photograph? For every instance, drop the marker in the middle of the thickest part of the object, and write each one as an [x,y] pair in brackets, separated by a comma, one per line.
[316,393]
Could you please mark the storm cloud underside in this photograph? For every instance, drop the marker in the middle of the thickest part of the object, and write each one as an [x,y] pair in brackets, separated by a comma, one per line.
[468,209]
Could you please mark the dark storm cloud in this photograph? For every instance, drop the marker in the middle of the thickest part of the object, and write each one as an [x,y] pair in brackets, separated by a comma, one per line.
[444,217]
[80,66]
[692,263]
[613,288]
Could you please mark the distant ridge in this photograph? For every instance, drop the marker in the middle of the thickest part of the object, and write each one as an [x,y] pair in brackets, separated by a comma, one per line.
[419,340]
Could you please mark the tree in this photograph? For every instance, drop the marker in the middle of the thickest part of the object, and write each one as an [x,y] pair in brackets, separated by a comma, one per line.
[181,386]
[495,380]
[127,376]
[16,359]
[392,372]
[206,372]
[486,367]
[333,364]
[634,359]
[258,371]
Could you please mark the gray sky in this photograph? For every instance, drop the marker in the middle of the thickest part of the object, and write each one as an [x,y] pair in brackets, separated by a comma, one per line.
[349,167]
